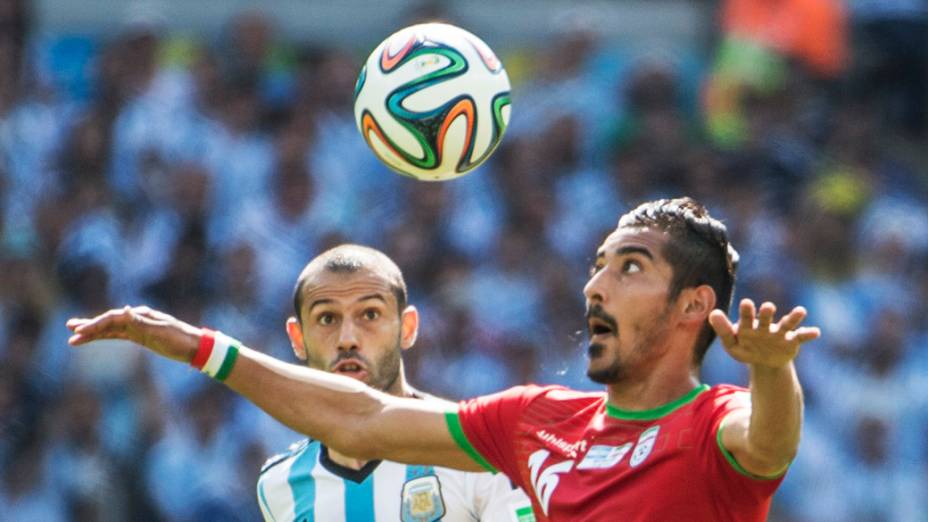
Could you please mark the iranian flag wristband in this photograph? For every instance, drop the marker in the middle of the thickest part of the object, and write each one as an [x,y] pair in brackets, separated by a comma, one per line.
[216,354]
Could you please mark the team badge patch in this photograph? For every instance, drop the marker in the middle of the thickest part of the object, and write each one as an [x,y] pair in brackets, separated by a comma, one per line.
[604,456]
[644,446]
[422,500]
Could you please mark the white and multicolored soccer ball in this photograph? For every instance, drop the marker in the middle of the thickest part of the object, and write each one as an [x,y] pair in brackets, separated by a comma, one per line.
[432,101]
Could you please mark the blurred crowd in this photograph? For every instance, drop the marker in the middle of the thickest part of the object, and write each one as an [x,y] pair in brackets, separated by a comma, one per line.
[199,175]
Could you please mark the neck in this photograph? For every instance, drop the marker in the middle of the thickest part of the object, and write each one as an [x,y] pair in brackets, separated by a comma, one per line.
[399,388]
[346,461]
[660,386]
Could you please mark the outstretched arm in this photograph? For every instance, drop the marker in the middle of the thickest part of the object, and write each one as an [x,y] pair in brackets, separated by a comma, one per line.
[345,414]
[766,439]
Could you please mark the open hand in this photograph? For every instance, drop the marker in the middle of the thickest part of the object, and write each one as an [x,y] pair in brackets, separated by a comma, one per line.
[759,340]
[157,331]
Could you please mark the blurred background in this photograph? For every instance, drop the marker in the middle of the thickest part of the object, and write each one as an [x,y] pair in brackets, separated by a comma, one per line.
[194,155]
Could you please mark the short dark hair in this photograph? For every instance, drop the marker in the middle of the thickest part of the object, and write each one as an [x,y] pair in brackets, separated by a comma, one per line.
[698,251]
[349,258]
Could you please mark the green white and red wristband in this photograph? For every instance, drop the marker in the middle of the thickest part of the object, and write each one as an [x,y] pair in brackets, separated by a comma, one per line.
[216,354]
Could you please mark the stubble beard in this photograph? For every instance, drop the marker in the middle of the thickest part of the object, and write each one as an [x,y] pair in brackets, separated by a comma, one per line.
[387,369]
[618,370]
[382,373]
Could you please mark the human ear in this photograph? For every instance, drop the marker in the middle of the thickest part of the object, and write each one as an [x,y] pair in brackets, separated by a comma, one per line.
[295,333]
[697,303]
[410,327]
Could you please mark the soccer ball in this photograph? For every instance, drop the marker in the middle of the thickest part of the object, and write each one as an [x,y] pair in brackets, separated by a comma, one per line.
[432,101]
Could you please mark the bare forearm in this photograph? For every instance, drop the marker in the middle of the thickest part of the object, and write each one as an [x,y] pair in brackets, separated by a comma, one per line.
[347,415]
[343,413]
[765,440]
[776,413]
[327,407]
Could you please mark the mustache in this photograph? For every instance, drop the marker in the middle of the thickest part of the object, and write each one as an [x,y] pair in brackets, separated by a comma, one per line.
[597,311]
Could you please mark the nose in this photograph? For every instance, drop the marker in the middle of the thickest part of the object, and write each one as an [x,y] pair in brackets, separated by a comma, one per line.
[592,290]
[348,337]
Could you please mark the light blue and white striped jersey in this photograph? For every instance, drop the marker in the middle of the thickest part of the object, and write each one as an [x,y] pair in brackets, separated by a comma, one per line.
[305,485]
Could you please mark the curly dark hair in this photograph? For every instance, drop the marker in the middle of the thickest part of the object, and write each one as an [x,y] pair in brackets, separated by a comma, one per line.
[698,251]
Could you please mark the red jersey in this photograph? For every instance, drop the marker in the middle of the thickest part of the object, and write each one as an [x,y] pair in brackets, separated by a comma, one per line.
[582,459]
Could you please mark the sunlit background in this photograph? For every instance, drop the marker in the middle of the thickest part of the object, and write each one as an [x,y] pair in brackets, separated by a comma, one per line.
[193,155]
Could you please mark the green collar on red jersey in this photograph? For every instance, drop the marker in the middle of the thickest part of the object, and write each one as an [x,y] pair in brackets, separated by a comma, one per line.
[660,411]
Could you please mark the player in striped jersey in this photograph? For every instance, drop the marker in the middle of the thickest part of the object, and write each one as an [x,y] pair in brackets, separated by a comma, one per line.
[351,318]
[306,484]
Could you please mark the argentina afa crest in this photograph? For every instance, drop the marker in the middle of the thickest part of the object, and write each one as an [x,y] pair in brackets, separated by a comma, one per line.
[422,500]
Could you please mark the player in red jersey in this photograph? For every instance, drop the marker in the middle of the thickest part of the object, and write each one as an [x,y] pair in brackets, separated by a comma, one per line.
[657,445]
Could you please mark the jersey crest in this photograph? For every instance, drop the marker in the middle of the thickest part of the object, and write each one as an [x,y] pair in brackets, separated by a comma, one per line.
[644,446]
[422,500]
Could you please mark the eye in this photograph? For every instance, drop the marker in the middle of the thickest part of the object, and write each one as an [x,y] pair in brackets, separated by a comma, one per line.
[631,267]
[326,319]
[371,314]
[596,267]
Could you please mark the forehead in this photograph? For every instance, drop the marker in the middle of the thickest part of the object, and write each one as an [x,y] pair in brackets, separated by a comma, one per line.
[650,239]
[346,287]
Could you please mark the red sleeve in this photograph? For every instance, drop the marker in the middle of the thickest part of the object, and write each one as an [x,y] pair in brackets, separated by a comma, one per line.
[733,482]
[486,427]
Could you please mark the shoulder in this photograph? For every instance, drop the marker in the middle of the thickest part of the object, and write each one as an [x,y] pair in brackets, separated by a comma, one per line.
[552,393]
[715,404]
[728,389]
[725,396]
[532,402]
[562,394]
[551,400]
[292,452]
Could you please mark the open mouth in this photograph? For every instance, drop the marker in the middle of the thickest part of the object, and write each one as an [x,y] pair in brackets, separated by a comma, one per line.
[599,323]
[597,327]
[350,368]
